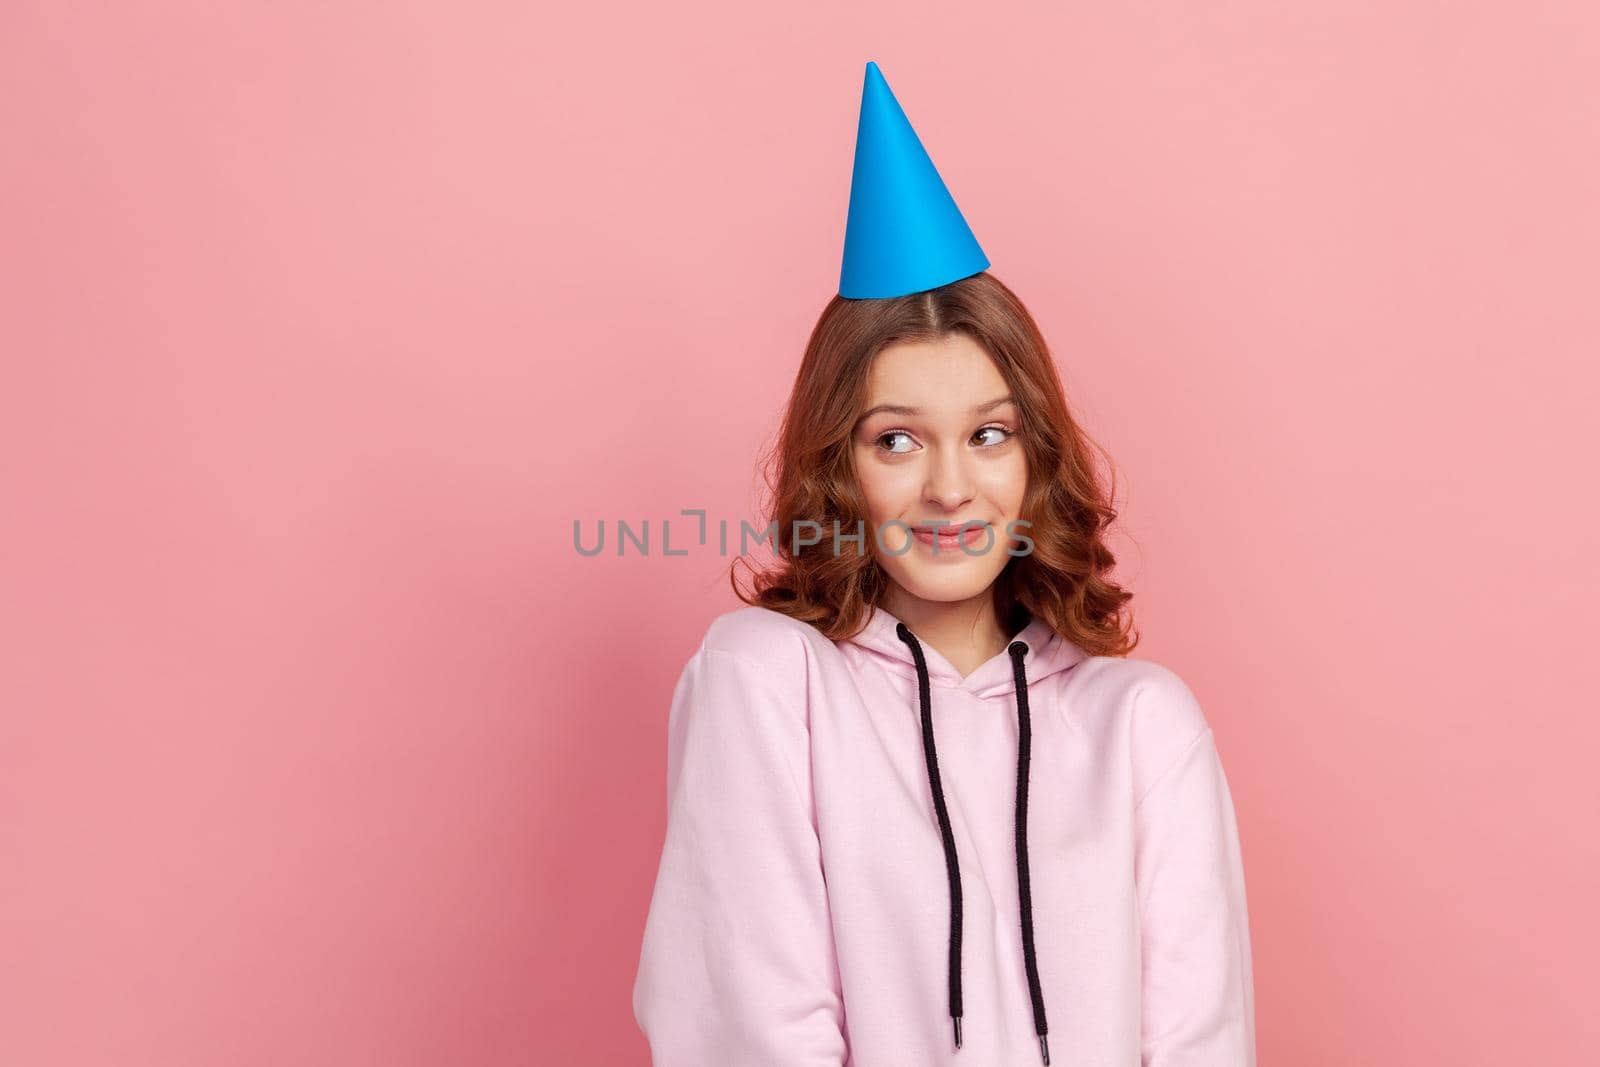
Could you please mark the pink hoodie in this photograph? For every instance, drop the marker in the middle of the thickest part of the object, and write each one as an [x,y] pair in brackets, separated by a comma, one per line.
[838,888]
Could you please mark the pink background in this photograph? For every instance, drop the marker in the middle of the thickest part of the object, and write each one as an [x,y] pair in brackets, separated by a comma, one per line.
[322,322]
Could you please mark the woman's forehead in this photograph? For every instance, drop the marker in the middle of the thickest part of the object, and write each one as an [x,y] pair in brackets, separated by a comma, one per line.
[951,374]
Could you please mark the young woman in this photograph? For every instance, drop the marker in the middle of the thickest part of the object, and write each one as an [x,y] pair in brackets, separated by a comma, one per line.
[922,807]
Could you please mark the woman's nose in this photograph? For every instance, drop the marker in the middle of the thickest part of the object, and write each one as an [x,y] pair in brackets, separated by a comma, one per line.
[949,481]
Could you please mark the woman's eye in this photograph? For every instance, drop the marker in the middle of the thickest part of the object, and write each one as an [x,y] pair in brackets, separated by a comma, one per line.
[1001,431]
[889,437]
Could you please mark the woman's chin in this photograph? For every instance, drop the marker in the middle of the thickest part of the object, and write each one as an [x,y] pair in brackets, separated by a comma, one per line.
[944,581]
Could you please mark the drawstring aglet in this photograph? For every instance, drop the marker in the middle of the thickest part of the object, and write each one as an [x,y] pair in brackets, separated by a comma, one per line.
[957,1020]
[1044,1050]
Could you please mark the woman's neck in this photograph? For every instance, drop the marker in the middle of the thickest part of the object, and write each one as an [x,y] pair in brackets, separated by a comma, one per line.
[968,633]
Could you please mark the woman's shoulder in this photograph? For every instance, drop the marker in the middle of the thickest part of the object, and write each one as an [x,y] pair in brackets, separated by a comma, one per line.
[1146,684]
[1153,702]
[754,649]
[763,636]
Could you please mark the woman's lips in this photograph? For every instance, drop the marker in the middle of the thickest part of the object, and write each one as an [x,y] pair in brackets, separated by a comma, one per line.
[952,537]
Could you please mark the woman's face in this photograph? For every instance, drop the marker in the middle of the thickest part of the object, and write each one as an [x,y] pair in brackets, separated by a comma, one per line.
[939,445]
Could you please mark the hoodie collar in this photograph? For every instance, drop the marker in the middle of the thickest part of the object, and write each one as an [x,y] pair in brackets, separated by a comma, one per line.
[1048,653]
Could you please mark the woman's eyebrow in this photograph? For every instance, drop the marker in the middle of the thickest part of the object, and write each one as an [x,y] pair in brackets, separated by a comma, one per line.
[991,405]
[901,409]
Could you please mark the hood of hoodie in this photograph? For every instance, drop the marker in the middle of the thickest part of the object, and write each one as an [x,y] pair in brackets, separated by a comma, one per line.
[1048,653]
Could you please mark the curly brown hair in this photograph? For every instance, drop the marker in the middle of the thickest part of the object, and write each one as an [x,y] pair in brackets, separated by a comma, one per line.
[810,473]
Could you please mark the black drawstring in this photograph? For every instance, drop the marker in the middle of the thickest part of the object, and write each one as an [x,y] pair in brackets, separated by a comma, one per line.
[1018,650]
[951,866]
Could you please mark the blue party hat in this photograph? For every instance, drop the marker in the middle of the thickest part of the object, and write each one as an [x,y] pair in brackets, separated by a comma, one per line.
[904,233]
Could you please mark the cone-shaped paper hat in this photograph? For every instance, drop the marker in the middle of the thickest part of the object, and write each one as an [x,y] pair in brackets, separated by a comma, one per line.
[905,233]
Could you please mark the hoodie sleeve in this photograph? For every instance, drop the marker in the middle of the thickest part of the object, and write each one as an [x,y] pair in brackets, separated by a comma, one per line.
[1198,996]
[737,965]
